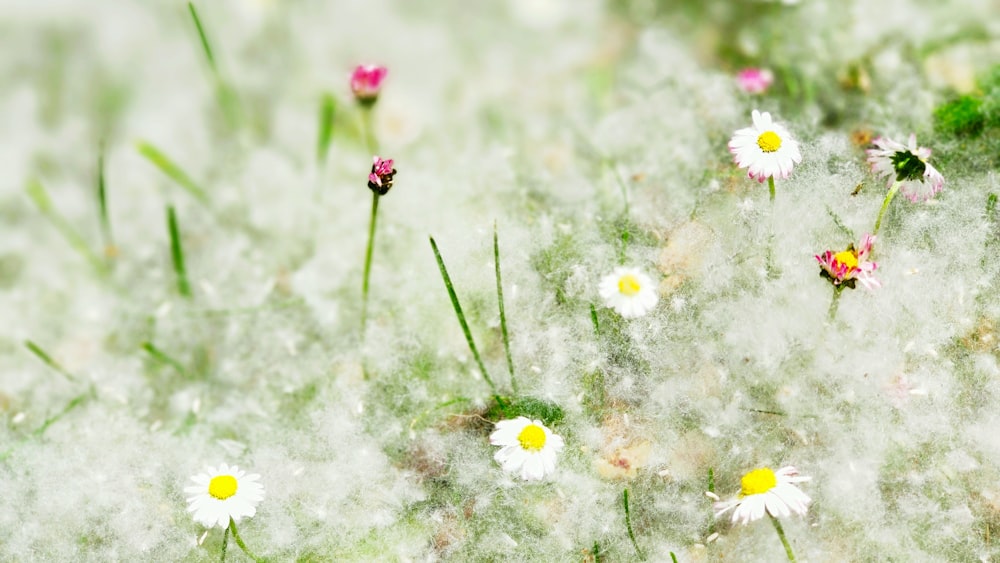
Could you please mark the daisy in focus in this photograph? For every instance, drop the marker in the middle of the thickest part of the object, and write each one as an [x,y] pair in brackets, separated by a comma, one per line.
[223,494]
[629,292]
[850,266]
[906,165]
[528,448]
[767,150]
[754,80]
[763,490]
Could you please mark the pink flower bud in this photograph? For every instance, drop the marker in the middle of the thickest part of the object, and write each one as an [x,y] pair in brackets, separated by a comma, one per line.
[755,80]
[366,81]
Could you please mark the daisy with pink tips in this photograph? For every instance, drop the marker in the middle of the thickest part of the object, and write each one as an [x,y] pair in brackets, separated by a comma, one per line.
[907,170]
[850,266]
[766,149]
[380,178]
[907,165]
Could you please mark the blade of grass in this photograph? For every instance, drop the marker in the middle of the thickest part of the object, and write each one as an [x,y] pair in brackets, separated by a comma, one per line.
[47,359]
[628,524]
[224,93]
[465,326]
[204,38]
[172,170]
[164,358]
[177,253]
[73,403]
[102,202]
[326,111]
[593,319]
[40,197]
[503,315]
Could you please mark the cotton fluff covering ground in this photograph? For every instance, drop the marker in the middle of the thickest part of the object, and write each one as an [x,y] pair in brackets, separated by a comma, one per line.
[533,115]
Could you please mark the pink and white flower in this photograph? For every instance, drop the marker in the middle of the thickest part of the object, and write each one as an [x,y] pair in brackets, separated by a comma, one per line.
[766,149]
[380,178]
[906,164]
[755,80]
[366,82]
[851,265]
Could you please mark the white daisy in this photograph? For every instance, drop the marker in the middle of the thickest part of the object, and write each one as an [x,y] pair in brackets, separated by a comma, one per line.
[767,149]
[765,490]
[907,164]
[223,493]
[629,292]
[529,448]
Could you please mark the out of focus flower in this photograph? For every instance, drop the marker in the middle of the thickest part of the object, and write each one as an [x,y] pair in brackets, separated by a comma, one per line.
[223,493]
[906,164]
[366,82]
[851,265]
[755,80]
[763,490]
[529,448]
[629,292]
[766,149]
[380,178]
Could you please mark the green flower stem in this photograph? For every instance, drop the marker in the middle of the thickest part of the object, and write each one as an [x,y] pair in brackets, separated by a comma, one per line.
[784,540]
[770,187]
[368,262]
[503,316]
[465,326]
[225,544]
[368,128]
[239,541]
[885,205]
[831,313]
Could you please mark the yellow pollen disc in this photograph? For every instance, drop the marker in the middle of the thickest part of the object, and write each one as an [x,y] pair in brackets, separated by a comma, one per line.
[628,285]
[847,258]
[532,438]
[769,141]
[222,486]
[758,481]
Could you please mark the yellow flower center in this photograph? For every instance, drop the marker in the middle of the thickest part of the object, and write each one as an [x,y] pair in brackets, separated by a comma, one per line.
[532,438]
[769,141]
[628,285]
[758,481]
[847,258]
[222,486]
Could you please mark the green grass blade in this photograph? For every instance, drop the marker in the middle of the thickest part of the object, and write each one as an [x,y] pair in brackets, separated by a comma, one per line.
[328,106]
[172,170]
[461,320]
[47,359]
[177,253]
[503,316]
[628,524]
[37,193]
[164,358]
[102,202]
[204,38]
[73,403]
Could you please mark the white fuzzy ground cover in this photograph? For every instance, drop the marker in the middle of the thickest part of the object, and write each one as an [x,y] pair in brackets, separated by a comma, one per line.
[571,125]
